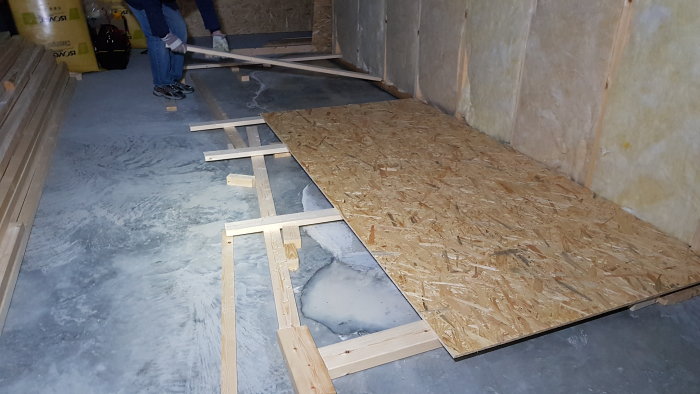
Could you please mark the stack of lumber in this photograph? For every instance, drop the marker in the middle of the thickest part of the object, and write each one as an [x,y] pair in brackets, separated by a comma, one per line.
[34,91]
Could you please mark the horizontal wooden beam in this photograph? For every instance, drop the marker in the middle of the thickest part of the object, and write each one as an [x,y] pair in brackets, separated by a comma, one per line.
[306,367]
[200,66]
[220,124]
[280,63]
[383,347]
[277,222]
[228,154]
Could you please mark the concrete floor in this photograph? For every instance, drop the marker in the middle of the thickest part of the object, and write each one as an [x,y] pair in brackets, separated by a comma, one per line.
[119,291]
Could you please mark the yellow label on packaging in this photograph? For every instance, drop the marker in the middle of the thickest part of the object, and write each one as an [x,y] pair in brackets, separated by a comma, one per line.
[59,25]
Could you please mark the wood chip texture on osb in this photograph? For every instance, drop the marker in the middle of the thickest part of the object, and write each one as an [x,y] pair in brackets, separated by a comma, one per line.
[488,245]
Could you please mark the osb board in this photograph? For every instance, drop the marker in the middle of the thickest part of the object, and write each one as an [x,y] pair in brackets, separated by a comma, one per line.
[650,142]
[486,244]
[497,34]
[563,81]
[252,16]
[322,37]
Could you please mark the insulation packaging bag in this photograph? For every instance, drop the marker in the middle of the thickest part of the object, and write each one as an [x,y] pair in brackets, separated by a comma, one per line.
[120,11]
[60,26]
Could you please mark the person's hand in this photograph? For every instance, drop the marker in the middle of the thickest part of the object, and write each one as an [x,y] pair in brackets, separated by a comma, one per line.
[218,40]
[174,43]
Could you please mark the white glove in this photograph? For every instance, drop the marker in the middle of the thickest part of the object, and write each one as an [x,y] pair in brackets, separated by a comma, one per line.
[219,42]
[174,43]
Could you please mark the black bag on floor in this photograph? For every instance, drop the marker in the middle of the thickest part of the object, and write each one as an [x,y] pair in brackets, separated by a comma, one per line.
[112,48]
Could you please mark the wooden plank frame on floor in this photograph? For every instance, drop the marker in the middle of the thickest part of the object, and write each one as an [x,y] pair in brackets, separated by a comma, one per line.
[200,66]
[311,368]
[280,63]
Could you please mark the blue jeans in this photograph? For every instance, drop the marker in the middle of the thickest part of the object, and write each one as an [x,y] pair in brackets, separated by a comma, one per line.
[166,66]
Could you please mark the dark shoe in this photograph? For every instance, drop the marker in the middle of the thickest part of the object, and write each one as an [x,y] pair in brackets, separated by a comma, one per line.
[186,89]
[168,92]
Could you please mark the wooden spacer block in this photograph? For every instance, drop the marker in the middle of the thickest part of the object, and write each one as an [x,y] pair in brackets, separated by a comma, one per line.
[267,65]
[240,180]
[292,256]
[171,108]
[292,235]
[235,69]
[245,78]
[643,304]
[306,368]
[77,76]
[281,155]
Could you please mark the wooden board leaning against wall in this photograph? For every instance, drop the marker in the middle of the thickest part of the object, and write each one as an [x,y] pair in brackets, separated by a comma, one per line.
[488,245]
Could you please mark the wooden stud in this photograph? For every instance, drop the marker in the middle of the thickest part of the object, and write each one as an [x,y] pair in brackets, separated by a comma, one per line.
[285,303]
[383,347]
[278,221]
[240,180]
[245,152]
[292,65]
[282,155]
[220,124]
[306,368]
[292,235]
[234,66]
[680,296]
[229,378]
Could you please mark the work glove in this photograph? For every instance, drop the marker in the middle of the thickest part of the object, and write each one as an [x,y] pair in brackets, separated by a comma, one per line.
[219,43]
[174,43]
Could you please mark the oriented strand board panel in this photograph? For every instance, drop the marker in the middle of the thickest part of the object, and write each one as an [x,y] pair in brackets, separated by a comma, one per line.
[563,82]
[252,16]
[650,156]
[488,245]
[442,52]
[403,18]
[497,35]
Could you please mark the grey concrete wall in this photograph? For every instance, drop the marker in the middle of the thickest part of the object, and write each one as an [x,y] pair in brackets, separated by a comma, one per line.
[605,91]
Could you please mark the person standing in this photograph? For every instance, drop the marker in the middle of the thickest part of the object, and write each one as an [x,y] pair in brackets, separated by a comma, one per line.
[166,37]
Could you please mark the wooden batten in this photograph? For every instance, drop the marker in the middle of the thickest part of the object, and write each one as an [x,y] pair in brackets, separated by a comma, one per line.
[306,368]
[229,154]
[229,376]
[371,350]
[280,63]
[278,222]
[220,124]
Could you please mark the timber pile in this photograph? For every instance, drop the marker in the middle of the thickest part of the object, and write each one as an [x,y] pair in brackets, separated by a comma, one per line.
[34,91]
